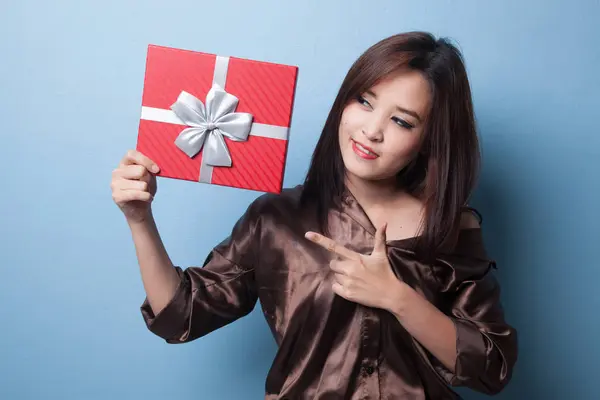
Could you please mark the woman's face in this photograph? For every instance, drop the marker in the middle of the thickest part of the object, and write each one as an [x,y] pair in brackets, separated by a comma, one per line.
[380,130]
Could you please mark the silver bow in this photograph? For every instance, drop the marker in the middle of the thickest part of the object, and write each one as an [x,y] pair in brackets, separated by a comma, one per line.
[208,124]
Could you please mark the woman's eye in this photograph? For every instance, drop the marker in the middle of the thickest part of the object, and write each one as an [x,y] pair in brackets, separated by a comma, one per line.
[402,123]
[363,101]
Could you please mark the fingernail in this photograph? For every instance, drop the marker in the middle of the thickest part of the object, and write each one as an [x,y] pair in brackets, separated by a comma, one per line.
[155,168]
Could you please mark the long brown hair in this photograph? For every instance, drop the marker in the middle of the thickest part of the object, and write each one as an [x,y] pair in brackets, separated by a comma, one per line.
[444,173]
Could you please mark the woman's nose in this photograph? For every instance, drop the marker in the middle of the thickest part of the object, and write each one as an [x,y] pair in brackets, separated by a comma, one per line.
[373,128]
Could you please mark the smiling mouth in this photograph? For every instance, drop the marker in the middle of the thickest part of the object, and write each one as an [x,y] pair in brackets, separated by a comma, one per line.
[363,151]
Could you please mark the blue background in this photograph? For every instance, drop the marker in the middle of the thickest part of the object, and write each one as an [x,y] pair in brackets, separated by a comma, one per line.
[71,79]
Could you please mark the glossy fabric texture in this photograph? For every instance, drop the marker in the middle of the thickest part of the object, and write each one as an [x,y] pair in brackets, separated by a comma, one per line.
[330,348]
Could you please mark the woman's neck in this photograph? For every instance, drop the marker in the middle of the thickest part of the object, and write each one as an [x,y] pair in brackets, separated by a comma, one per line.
[385,202]
[371,194]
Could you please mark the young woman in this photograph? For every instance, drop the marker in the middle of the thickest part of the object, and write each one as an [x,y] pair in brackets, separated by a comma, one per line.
[372,274]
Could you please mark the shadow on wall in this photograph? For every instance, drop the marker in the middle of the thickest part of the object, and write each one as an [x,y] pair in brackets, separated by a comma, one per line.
[518,200]
[495,200]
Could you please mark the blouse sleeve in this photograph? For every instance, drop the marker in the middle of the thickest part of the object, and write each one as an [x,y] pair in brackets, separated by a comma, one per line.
[486,343]
[219,292]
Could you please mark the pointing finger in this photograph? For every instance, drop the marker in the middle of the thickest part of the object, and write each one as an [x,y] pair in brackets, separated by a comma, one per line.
[330,245]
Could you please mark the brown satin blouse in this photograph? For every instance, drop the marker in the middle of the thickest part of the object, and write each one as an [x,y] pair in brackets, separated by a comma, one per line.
[328,347]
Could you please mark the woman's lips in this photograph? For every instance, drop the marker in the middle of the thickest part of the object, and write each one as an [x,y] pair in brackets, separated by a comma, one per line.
[363,151]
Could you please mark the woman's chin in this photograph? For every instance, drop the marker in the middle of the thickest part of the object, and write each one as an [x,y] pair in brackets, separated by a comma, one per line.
[365,176]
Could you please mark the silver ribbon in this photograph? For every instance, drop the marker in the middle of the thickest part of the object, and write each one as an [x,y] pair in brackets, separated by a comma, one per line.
[208,124]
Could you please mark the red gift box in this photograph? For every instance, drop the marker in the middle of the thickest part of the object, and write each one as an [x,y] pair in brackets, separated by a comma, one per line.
[215,119]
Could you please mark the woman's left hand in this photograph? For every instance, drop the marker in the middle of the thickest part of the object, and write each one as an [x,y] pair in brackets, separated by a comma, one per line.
[365,279]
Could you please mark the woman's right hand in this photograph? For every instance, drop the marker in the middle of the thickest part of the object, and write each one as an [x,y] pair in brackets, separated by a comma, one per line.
[133,185]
